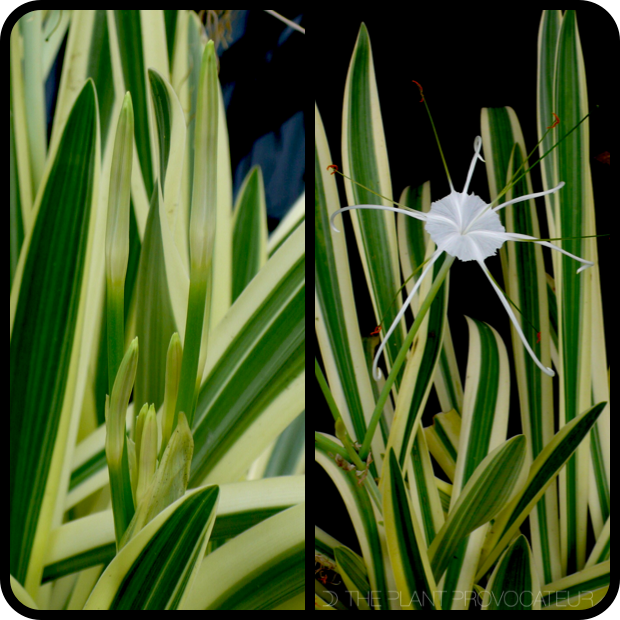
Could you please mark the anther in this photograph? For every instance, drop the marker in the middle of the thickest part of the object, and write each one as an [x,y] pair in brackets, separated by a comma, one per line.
[556,122]
[333,168]
[421,90]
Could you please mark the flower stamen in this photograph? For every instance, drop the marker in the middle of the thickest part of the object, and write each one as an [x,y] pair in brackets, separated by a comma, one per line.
[556,122]
[421,90]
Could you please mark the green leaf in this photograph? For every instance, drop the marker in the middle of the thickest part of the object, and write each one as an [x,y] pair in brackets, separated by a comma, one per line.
[526,286]
[258,570]
[542,472]
[156,570]
[45,303]
[250,231]
[514,584]
[485,494]
[116,441]
[351,568]
[365,161]
[582,590]
[155,307]
[169,482]
[406,543]
[89,541]
[255,373]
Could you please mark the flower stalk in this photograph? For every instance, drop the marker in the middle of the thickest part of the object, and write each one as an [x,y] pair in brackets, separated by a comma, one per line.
[116,441]
[173,378]
[202,231]
[147,463]
[402,355]
[117,237]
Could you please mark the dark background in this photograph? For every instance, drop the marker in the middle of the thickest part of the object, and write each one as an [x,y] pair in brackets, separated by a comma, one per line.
[263,81]
[465,58]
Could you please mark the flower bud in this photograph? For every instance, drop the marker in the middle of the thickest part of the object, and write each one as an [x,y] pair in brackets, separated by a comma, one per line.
[204,196]
[173,379]
[117,236]
[116,419]
[147,461]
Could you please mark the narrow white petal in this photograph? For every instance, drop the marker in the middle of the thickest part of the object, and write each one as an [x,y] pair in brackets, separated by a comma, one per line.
[513,318]
[477,147]
[520,237]
[528,196]
[418,215]
[376,372]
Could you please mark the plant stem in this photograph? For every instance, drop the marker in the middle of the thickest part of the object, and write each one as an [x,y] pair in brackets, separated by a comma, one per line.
[202,232]
[402,355]
[116,330]
[188,394]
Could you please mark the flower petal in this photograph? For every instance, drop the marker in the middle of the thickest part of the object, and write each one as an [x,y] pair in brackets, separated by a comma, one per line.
[418,215]
[528,196]
[376,371]
[513,318]
[520,237]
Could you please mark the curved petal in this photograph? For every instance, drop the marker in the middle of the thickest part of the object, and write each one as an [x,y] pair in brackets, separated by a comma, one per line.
[528,196]
[376,372]
[513,318]
[477,147]
[413,213]
[520,237]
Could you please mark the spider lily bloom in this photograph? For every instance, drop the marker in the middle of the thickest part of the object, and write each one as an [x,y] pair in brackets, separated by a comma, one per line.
[465,227]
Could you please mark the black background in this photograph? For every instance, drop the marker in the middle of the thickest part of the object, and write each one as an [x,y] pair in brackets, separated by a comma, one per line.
[465,58]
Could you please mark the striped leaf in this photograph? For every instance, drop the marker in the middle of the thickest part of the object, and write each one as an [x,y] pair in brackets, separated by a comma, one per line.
[337,327]
[582,590]
[364,159]
[47,304]
[369,532]
[254,385]
[156,570]
[90,541]
[353,572]
[408,553]
[485,494]
[542,472]
[526,285]
[483,427]
[514,584]
[250,231]
[262,568]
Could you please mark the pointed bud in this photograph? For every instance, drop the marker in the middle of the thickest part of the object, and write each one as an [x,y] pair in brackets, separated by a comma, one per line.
[118,403]
[117,237]
[137,435]
[204,195]
[173,378]
[341,431]
[147,463]
[170,480]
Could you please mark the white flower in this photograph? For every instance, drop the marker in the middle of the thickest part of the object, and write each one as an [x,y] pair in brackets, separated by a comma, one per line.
[464,226]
